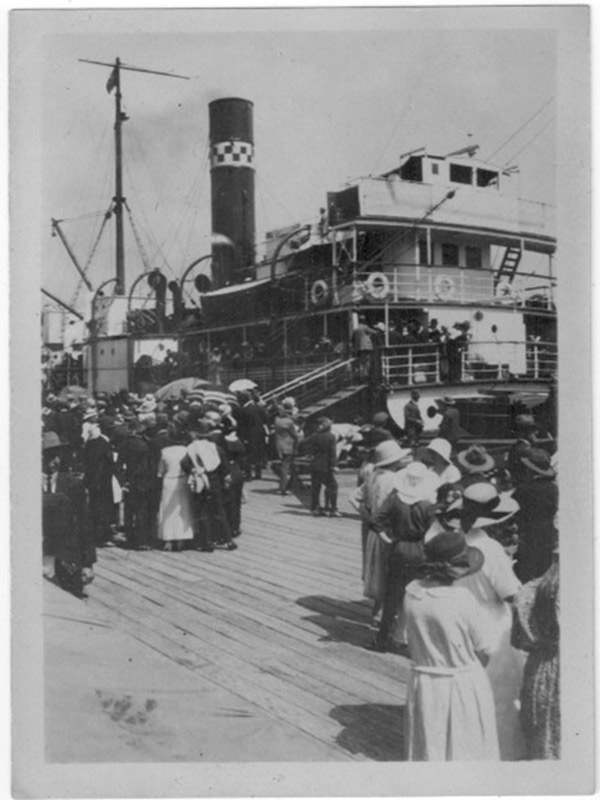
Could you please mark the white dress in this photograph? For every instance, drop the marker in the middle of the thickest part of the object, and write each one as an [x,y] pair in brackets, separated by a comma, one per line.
[495,581]
[175,519]
[450,706]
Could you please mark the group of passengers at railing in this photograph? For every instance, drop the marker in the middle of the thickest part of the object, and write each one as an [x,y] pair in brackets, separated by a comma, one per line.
[435,351]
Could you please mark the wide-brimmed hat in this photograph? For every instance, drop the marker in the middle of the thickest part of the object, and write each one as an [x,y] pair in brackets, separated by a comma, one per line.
[476,459]
[538,461]
[448,554]
[52,441]
[448,401]
[414,483]
[91,415]
[442,447]
[389,452]
[482,505]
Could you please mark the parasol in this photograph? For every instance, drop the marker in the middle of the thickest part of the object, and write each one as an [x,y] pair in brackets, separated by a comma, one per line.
[175,388]
[242,385]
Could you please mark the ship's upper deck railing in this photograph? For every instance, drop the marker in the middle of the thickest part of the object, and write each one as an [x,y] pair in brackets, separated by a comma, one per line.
[414,283]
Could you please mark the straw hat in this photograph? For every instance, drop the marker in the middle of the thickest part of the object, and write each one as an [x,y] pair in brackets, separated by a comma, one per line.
[449,552]
[388,452]
[448,401]
[414,483]
[442,447]
[481,505]
[476,459]
[538,461]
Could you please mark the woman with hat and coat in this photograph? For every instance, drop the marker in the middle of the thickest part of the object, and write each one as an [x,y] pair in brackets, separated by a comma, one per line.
[537,496]
[494,586]
[370,496]
[402,522]
[449,706]
[67,535]
[208,459]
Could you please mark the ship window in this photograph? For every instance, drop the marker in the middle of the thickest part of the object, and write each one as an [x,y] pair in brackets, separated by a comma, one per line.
[461,174]
[487,177]
[423,252]
[412,170]
[435,169]
[473,256]
[450,255]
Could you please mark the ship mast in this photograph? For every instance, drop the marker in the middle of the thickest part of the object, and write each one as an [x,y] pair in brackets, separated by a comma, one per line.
[114,82]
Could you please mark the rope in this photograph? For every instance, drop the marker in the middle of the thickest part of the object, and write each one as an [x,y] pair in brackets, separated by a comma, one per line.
[524,125]
[143,254]
[531,141]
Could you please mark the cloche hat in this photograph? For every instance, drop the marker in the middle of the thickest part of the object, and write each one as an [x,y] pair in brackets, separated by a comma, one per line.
[388,452]
[442,447]
[414,483]
[449,550]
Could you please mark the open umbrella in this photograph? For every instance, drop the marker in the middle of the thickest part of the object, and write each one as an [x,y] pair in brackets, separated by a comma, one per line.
[217,394]
[242,385]
[175,388]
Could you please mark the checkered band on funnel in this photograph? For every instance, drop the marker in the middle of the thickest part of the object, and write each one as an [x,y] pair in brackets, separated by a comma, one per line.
[231,154]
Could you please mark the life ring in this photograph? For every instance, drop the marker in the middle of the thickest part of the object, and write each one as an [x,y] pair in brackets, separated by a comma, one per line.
[378,285]
[444,287]
[506,291]
[319,293]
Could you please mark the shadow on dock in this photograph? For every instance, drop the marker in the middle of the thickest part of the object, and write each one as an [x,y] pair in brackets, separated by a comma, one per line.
[373,730]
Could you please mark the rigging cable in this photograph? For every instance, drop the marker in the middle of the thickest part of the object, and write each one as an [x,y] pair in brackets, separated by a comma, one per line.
[531,141]
[524,125]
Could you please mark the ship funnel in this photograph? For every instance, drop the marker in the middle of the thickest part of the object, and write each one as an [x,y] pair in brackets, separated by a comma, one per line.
[232,189]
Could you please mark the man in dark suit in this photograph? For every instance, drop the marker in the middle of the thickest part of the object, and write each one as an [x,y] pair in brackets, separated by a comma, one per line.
[65,526]
[137,478]
[251,432]
[98,470]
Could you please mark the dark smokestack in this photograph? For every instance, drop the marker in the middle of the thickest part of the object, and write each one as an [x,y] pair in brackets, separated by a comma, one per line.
[232,186]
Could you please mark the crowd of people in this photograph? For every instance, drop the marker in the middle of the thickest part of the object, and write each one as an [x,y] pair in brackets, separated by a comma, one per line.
[459,548]
[142,474]
[460,563]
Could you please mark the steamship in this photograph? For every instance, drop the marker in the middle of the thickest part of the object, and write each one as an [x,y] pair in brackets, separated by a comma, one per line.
[451,269]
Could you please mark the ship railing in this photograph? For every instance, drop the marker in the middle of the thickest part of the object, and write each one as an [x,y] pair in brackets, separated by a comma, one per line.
[500,360]
[316,384]
[451,362]
[408,283]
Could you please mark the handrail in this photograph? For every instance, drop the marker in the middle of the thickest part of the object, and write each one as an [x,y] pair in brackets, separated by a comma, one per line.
[308,377]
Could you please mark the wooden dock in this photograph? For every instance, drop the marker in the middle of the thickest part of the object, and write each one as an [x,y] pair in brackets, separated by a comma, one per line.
[280,623]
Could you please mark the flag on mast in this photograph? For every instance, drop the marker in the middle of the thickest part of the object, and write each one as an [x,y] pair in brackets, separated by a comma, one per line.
[112,81]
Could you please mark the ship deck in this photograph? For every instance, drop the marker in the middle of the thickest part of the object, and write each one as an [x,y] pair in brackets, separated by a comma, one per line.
[272,633]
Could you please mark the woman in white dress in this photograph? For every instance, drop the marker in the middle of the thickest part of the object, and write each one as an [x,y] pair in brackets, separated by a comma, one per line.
[450,706]
[494,587]
[175,519]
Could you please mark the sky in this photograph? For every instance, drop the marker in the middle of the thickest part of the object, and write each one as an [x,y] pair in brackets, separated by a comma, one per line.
[337,93]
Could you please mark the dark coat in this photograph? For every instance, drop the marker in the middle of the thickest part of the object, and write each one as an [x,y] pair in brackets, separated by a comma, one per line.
[251,427]
[98,467]
[65,524]
[136,463]
[320,446]
[538,504]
